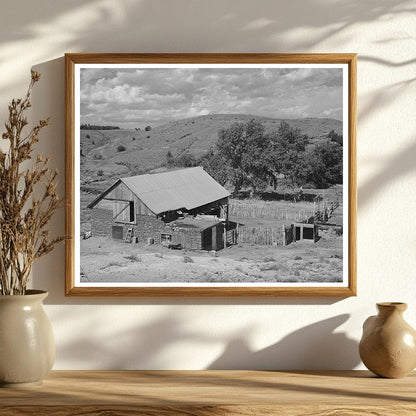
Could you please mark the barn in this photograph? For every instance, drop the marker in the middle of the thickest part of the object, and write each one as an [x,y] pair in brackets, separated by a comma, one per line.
[183,206]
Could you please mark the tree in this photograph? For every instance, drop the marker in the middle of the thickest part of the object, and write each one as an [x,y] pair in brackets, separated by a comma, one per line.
[230,146]
[286,158]
[255,160]
[242,147]
[324,164]
[215,164]
[148,128]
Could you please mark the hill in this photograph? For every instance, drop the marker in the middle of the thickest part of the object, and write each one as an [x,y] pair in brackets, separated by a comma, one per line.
[103,159]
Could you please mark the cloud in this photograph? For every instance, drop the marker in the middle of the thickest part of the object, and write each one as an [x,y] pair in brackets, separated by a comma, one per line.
[138,96]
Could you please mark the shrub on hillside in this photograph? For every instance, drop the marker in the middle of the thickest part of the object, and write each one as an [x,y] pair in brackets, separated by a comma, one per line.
[335,137]
[120,148]
[148,128]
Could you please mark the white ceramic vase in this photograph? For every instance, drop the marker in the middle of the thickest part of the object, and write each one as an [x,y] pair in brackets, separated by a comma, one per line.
[27,347]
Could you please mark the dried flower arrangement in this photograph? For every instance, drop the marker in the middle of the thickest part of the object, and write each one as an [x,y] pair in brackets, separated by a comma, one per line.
[28,199]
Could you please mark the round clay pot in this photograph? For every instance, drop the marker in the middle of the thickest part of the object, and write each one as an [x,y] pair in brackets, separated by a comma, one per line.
[27,347]
[388,344]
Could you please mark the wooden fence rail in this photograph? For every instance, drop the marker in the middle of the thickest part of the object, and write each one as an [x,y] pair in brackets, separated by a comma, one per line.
[260,235]
[242,210]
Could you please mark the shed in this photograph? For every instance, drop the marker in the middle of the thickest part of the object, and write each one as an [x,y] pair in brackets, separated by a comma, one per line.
[195,233]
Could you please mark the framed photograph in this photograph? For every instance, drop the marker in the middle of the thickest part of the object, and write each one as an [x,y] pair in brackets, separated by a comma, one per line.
[211,174]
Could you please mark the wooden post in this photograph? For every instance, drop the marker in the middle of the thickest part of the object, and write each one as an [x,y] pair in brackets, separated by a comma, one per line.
[214,238]
[284,234]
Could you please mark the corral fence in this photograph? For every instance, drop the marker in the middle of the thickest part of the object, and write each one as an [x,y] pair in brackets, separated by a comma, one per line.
[253,210]
[265,236]
[324,209]
[301,223]
[285,235]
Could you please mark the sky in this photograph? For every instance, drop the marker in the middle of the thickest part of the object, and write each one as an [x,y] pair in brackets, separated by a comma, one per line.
[137,97]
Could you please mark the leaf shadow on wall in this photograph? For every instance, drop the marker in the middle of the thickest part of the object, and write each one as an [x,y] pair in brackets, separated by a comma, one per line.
[151,345]
[403,162]
[393,169]
[313,347]
[144,346]
[216,26]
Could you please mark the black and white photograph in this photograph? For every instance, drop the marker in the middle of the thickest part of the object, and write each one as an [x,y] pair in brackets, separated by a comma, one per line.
[211,175]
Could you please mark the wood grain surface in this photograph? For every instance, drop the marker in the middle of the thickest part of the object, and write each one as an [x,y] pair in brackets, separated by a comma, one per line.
[202,393]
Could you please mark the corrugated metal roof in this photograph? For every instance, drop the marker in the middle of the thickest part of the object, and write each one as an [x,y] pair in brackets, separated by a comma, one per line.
[183,188]
[190,222]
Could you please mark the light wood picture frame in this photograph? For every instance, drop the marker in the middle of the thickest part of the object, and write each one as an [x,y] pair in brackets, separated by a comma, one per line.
[210,174]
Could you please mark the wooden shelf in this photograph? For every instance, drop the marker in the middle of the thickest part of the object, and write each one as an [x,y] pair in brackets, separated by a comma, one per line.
[202,393]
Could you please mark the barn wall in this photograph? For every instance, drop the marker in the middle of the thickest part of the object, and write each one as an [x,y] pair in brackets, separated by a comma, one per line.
[101,220]
[148,227]
[123,193]
[189,238]
[104,204]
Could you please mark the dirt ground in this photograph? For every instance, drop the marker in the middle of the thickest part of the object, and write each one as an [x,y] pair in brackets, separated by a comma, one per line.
[108,260]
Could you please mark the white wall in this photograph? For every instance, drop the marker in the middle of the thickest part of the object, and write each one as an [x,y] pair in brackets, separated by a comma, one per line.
[199,333]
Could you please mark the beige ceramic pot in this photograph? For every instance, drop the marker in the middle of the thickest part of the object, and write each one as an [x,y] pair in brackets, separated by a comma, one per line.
[27,347]
[388,344]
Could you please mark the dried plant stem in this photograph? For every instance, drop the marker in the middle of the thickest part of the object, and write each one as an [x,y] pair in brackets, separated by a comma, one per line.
[23,217]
